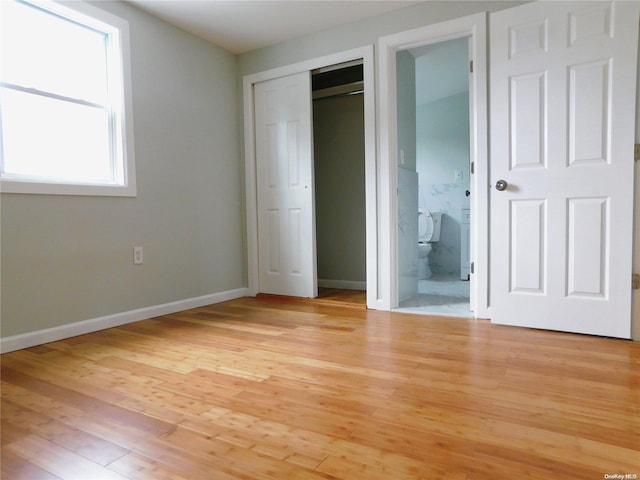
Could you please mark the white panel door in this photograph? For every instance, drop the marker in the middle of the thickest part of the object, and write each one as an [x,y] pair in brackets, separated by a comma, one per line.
[563,80]
[284,176]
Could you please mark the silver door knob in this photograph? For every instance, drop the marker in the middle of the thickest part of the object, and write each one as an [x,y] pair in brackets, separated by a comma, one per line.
[501,185]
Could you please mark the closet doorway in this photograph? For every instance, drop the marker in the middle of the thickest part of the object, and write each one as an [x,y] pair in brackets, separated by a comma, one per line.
[263,164]
[339,176]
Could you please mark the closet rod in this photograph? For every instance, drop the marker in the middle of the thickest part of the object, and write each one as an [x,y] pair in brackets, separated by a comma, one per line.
[335,95]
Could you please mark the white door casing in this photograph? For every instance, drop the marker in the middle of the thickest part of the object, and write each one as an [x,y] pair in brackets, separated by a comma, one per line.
[474,27]
[284,177]
[563,80]
[371,179]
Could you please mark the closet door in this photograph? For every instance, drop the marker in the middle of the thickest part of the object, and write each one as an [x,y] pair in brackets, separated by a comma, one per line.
[285,188]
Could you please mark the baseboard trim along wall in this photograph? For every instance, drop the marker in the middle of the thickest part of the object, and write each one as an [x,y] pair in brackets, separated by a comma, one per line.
[31,339]
[344,284]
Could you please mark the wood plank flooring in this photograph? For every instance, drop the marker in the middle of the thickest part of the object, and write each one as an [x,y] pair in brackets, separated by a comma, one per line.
[341,297]
[270,388]
[336,297]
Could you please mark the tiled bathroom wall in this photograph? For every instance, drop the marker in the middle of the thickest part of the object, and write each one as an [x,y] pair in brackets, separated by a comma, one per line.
[407,233]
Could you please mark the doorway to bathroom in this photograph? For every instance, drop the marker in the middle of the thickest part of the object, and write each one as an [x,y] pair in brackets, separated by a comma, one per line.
[434,188]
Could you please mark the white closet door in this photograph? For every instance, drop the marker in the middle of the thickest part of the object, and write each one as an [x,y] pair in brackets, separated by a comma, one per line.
[286,223]
[563,81]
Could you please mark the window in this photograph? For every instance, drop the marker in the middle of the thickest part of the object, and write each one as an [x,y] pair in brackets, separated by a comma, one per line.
[65,116]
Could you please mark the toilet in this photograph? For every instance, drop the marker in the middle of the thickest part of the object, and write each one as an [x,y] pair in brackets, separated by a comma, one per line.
[428,232]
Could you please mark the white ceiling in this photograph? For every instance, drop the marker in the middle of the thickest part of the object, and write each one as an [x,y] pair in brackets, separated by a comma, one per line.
[241,26]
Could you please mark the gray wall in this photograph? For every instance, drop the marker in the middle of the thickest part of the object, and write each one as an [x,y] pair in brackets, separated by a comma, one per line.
[338,138]
[69,258]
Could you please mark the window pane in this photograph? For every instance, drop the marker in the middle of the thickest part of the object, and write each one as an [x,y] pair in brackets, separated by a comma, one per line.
[44,51]
[53,139]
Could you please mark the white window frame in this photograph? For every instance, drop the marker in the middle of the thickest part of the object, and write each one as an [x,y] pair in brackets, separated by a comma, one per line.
[119,61]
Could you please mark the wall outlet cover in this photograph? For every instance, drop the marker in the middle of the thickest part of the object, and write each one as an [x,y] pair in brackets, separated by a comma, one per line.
[138,255]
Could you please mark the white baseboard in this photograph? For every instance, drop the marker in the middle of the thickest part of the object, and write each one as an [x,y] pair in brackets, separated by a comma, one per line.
[26,340]
[345,284]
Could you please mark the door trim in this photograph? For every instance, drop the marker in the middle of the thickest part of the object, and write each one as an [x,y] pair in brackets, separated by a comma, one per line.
[475,27]
[372,254]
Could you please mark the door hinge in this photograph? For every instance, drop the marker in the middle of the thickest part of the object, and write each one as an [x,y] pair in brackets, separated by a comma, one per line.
[635,281]
[473,168]
[637,152]
[471,66]
[473,267]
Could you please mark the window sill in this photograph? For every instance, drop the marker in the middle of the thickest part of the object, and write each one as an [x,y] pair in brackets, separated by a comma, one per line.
[41,188]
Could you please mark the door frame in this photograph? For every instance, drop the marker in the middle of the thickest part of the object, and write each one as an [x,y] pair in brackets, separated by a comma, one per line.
[366,54]
[475,27]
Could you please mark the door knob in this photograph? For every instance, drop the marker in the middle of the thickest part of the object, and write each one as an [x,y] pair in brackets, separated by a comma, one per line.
[501,185]
[467,193]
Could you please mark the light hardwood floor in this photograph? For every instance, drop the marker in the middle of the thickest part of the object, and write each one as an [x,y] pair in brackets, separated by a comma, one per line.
[271,388]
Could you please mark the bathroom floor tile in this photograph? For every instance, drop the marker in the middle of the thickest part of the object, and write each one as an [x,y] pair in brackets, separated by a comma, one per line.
[441,294]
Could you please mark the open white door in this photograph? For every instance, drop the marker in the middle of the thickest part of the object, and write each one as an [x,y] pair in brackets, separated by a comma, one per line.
[284,177]
[563,80]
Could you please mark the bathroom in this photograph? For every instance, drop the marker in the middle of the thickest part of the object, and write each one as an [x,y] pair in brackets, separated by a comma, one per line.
[434,178]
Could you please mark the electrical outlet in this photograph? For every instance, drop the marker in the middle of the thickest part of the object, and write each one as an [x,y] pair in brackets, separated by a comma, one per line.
[138,256]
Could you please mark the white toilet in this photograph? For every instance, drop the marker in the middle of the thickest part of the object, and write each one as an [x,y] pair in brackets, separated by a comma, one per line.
[428,232]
